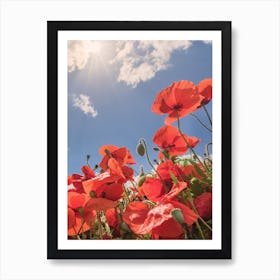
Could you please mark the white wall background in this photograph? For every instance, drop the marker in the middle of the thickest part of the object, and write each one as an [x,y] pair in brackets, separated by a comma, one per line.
[255,124]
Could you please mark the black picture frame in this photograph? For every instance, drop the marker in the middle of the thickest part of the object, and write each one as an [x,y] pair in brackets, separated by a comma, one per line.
[53,27]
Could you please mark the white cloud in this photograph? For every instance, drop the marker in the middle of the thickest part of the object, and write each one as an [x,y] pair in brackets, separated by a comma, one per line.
[139,61]
[135,61]
[207,41]
[78,54]
[83,102]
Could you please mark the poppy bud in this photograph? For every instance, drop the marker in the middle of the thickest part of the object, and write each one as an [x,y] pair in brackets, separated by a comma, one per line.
[141,180]
[156,149]
[178,216]
[194,181]
[140,149]
[124,227]
[196,186]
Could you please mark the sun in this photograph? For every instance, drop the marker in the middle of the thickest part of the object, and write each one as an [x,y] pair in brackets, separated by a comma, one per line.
[96,47]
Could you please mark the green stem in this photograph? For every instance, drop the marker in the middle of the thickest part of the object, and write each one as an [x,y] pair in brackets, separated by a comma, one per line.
[189,146]
[185,228]
[148,159]
[100,227]
[190,199]
[205,223]
[197,118]
[207,149]
[81,227]
[77,235]
[136,187]
[182,135]
[199,229]
[208,116]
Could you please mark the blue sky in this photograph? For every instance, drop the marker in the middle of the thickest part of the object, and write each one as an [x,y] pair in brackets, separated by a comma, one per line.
[112,86]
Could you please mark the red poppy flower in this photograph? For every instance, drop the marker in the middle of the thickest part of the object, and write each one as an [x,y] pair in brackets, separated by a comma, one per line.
[78,223]
[168,138]
[99,180]
[77,180]
[175,190]
[158,220]
[179,99]
[112,217]
[166,168]
[76,200]
[71,218]
[204,88]
[121,155]
[104,185]
[80,216]
[135,215]
[115,167]
[128,174]
[189,171]
[88,172]
[203,204]
[100,204]
[152,188]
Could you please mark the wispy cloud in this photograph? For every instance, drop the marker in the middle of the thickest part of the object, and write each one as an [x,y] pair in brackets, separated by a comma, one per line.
[139,61]
[83,102]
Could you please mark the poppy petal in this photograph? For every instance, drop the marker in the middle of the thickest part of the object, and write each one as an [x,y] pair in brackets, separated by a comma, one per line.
[76,200]
[110,148]
[71,218]
[100,204]
[113,191]
[169,229]
[115,167]
[88,172]
[189,215]
[153,189]
[80,226]
[135,215]
[205,90]
[96,182]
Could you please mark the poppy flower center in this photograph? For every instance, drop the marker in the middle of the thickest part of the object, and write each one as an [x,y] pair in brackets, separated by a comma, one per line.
[177,107]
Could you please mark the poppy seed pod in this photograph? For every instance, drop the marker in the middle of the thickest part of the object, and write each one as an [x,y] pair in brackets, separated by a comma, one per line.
[81,211]
[140,149]
[107,152]
[92,194]
[178,216]
[124,227]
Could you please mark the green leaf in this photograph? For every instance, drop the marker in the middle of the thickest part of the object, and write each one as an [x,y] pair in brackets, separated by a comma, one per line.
[173,177]
[197,168]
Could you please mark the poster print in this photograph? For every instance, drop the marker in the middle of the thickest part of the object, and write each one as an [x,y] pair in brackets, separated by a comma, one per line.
[140,135]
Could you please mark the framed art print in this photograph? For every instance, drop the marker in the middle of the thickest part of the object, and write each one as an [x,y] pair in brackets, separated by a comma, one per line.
[139,140]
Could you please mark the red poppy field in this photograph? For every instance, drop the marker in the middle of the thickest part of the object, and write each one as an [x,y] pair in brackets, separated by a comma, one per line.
[172,201]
